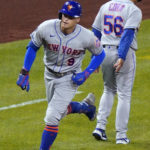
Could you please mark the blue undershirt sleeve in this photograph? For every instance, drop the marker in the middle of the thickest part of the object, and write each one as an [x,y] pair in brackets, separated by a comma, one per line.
[31,44]
[97,33]
[30,55]
[95,62]
[125,43]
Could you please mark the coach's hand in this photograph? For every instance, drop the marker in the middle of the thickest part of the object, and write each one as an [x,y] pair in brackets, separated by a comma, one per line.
[80,78]
[118,64]
[23,80]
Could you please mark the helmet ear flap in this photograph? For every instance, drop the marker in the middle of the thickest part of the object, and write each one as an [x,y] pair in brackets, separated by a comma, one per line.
[60,16]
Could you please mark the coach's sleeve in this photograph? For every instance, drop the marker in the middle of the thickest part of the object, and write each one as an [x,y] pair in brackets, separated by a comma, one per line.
[134,19]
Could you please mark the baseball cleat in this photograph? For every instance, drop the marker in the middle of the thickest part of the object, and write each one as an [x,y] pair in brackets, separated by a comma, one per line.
[90,100]
[122,141]
[100,134]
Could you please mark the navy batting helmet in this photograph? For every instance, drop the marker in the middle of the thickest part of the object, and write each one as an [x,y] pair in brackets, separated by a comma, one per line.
[71,8]
[139,0]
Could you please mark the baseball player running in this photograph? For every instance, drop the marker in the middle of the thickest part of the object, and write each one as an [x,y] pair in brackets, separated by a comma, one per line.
[65,43]
[116,24]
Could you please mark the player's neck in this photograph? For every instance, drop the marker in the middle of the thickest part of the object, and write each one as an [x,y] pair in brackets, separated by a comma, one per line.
[67,31]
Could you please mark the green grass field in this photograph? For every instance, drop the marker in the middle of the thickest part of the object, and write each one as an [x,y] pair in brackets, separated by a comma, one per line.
[21,128]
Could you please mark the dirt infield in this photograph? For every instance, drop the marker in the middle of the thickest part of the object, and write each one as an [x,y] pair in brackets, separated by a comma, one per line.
[18,18]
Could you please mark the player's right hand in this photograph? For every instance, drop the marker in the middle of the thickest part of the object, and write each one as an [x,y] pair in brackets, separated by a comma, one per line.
[23,80]
[80,78]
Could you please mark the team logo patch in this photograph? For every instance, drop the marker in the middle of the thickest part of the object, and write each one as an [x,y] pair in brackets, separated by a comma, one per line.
[69,7]
[97,42]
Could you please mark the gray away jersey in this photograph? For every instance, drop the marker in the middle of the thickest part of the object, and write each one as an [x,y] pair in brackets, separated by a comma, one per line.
[115,16]
[63,53]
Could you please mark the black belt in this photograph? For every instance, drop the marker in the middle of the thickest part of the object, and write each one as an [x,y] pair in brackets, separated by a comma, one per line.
[104,46]
[58,74]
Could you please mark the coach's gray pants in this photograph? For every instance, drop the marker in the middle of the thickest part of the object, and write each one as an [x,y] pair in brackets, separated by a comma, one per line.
[120,83]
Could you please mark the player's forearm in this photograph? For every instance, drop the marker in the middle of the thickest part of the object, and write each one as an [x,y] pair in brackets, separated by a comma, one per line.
[80,78]
[30,56]
[125,43]
[95,62]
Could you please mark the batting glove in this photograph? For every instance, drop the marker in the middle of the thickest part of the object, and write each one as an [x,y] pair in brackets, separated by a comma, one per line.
[80,78]
[23,80]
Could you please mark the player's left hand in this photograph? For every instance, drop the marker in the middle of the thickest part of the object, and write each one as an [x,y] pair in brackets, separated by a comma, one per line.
[80,78]
[23,80]
[118,64]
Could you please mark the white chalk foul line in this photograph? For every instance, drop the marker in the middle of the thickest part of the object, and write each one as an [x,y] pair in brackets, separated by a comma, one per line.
[27,103]
[22,104]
